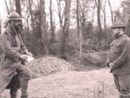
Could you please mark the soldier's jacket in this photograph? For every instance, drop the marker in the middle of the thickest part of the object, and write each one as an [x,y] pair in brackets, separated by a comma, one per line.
[120,55]
[12,47]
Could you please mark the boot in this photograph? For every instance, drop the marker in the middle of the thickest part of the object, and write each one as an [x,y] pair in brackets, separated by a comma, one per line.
[24,87]
[13,93]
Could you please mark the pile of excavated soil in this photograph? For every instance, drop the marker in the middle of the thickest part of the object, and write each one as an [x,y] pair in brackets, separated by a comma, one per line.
[47,65]
[70,84]
[89,61]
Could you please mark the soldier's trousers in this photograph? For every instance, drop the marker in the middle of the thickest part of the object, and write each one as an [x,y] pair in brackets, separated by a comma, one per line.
[20,80]
[122,82]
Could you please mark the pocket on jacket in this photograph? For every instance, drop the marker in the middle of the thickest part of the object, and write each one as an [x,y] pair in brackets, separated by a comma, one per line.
[117,49]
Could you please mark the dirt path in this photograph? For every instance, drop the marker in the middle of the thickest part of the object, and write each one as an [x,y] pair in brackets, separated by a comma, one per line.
[70,84]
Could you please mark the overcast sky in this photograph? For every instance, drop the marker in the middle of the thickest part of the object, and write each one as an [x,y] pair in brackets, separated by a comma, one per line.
[115,4]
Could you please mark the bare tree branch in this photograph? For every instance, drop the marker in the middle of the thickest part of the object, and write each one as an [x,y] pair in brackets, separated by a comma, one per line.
[7,7]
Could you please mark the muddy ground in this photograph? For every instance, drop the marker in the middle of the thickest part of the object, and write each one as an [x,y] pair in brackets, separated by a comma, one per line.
[70,84]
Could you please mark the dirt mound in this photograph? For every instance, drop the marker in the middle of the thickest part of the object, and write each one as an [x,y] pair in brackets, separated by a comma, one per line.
[95,59]
[89,61]
[70,84]
[47,65]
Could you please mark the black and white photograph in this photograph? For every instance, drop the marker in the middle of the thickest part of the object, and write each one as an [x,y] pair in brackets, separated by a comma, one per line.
[64,48]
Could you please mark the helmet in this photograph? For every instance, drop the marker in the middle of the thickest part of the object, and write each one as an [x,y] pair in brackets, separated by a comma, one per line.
[118,24]
[14,16]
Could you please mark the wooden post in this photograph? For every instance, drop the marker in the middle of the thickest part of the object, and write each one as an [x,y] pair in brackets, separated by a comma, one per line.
[98,91]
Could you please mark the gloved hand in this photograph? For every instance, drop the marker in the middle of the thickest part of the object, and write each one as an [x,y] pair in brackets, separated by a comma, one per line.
[29,54]
[110,64]
[24,57]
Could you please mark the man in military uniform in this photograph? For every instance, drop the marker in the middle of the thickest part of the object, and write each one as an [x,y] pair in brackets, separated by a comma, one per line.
[119,59]
[13,73]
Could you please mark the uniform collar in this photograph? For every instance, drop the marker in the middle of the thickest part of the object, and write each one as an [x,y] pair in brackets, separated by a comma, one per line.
[117,39]
[120,35]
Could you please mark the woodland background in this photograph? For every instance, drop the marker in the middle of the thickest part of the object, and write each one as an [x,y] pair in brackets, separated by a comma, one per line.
[65,27]
[77,31]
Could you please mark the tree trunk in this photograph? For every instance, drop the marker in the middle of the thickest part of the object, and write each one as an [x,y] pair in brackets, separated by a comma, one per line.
[7,7]
[77,17]
[111,11]
[93,14]
[0,25]
[11,5]
[18,10]
[80,44]
[27,24]
[83,20]
[52,25]
[60,15]
[43,26]
[18,6]
[98,19]
[30,10]
[104,13]
[65,37]
[105,21]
